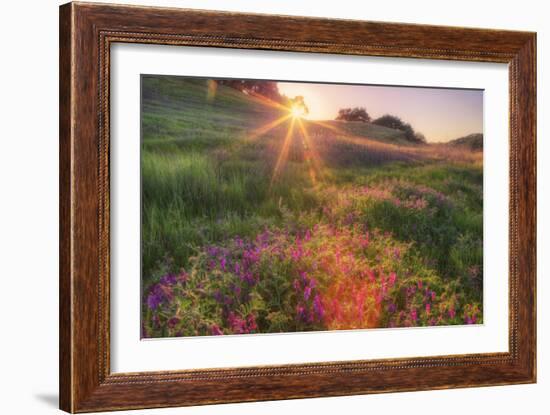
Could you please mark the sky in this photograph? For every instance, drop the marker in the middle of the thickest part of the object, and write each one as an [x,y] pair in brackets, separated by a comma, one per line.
[440,114]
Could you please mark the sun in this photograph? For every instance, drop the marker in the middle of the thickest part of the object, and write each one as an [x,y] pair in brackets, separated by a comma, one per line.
[297,111]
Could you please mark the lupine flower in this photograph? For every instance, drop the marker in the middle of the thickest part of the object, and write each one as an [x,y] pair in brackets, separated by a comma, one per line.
[173,322]
[452,313]
[155,297]
[318,307]
[215,330]
[168,279]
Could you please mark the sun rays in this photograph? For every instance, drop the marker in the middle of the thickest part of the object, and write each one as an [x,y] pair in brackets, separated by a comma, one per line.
[283,154]
[297,128]
[264,129]
[293,114]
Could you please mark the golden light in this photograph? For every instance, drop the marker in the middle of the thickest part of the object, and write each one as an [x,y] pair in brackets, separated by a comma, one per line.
[283,153]
[297,111]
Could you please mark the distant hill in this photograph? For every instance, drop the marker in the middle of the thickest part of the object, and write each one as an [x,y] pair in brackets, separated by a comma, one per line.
[372,131]
[473,142]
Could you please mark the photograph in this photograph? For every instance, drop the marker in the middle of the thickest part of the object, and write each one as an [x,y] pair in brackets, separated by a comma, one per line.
[272,206]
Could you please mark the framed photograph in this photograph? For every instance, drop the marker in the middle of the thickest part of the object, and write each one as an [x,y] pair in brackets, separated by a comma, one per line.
[261,207]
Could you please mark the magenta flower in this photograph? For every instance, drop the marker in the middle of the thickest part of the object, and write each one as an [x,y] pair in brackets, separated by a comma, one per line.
[414,315]
[300,312]
[307,292]
[173,322]
[215,330]
[318,307]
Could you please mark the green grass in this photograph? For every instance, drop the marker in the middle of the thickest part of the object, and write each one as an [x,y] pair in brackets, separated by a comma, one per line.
[373,131]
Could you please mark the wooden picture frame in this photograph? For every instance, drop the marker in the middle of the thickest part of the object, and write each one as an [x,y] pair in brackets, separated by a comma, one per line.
[86,33]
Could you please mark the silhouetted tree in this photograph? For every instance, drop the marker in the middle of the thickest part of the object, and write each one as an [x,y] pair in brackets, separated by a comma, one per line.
[392,121]
[299,101]
[267,89]
[353,114]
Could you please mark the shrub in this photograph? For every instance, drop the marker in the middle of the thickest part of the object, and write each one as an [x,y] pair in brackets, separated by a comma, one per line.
[392,121]
[353,114]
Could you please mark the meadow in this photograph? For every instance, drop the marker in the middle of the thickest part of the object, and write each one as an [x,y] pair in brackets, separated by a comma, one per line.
[258,221]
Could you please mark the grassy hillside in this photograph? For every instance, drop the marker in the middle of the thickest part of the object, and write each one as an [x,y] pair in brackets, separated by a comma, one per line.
[253,221]
[472,142]
[373,131]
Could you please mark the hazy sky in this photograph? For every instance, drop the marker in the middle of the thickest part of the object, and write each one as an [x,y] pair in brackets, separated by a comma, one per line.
[440,114]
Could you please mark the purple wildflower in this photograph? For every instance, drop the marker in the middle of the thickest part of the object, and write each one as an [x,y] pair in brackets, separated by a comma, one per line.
[318,307]
[307,292]
[168,279]
[155,297]
[215,330]
[173,322]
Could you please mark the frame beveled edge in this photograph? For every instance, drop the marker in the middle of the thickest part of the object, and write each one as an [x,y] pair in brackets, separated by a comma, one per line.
[86,33]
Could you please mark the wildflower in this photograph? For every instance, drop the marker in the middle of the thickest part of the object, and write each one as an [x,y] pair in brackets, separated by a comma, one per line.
[182,277]
[428,308]
[452,313]
[251,323]
[173,322]
[218,296]
[307,292]
[318,307]
[236,289]
[414,315]
[397,253]
[300,311]
[168,279]
[371,276]
[215,330]
[155,297]
[391,279]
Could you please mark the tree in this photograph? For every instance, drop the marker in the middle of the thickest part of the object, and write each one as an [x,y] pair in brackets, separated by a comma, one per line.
[266,89]
[392,121]
[298,101]
[353,114]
